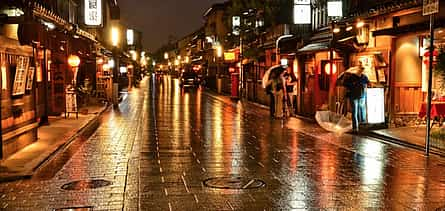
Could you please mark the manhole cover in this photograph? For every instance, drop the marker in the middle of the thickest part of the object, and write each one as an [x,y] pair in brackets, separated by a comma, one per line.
[86,184]
[234,183]
[74,209]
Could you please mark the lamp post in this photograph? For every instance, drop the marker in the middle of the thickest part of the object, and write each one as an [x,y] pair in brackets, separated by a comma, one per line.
[71,104]
[115,42]
[219,53]
[277,53]
[74,62]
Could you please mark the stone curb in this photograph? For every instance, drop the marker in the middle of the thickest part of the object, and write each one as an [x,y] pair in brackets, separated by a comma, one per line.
[28,172]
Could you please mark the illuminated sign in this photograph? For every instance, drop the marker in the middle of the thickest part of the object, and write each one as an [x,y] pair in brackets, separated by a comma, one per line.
[335,9]
[130,37]
[229,56]
[123,69]
[430,7]
[236,23]
[375,101]
[93,12]
[302,12]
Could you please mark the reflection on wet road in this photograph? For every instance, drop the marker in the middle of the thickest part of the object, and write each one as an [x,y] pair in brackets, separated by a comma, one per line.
[168,148]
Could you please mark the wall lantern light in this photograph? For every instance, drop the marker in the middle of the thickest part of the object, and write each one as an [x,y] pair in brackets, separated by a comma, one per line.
[114,36]
[219,51]
[360,24]
[3,68]
[336,30]
[327,68]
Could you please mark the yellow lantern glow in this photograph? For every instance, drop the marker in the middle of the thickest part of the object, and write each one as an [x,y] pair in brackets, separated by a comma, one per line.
[327,68]
[73,60]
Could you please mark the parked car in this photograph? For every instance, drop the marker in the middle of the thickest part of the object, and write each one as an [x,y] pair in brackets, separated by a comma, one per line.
[188,78]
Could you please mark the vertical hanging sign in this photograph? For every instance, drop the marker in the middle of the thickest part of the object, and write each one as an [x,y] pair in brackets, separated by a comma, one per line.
[93,12]
[302,11]
[430,7]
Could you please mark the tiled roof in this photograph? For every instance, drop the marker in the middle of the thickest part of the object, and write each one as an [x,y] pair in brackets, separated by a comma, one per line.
[379,7]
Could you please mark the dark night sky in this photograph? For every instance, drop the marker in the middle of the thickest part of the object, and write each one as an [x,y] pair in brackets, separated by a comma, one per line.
[157,19]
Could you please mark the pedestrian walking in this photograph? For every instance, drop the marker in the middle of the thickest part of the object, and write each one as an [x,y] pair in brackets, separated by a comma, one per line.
[290,83]
[278,90]
[355,83]
[269,92]
[272,77]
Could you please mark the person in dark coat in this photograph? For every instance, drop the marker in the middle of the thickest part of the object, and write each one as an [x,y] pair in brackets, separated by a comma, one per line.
[355,84]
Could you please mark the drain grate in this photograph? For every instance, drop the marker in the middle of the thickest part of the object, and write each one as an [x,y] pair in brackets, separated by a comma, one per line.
[233,182]
[86,184]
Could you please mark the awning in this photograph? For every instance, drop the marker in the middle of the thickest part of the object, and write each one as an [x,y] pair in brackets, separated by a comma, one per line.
[317,46]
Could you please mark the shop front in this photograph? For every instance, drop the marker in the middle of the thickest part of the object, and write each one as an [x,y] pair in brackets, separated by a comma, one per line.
[18,95]
[319,69]
[408,75]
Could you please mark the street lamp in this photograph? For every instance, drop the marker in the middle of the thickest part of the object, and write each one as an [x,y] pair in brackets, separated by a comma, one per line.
[74,61]
[277,53]
[114,36]
[71,102]
[219,53]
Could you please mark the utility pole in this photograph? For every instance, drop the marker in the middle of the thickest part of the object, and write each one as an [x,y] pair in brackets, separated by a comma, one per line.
[430,8]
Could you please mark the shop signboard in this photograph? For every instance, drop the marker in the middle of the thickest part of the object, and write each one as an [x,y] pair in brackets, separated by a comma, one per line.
[302,12]
[335,9]
[71,101]
[30,78]
[369,69]
[20,76]
[229,56]
[93,12]
[430,7]
[375,104]
[236,23]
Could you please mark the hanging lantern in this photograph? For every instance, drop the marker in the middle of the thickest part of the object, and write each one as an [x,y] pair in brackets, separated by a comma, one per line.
[327,68]
[73,60]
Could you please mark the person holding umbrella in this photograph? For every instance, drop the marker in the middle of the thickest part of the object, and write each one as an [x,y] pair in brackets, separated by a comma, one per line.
[273,82]
[355,83]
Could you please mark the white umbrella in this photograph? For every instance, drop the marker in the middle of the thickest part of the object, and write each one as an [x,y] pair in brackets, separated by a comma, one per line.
[267,74]
[333,122]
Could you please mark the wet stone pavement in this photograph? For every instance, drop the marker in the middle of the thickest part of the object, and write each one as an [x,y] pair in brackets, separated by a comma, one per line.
[172,149]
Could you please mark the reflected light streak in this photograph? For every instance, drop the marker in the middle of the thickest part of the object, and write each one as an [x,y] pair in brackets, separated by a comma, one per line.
[217,143]
[373,168]
[176,113]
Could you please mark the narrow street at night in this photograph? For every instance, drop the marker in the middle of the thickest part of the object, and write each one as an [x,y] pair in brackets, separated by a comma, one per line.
[167,148]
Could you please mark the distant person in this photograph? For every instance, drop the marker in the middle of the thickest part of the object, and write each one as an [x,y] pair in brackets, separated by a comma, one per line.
[355,84]
[269,92]
[290,82]
[278,91]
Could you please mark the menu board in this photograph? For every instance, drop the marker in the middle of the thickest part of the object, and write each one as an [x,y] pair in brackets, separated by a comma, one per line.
[381,74]
[375,104]
[20,76]
[30,78]
[71,102]
[368,64]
